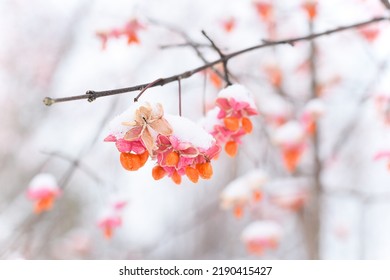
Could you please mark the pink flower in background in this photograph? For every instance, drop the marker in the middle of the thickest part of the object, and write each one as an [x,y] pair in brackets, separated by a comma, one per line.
[369,33]
[243,191]
[129,30]
[43,190]
[111,218]
[109,222]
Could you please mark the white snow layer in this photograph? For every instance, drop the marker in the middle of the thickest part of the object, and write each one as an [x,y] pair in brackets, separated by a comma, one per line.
[43,180]
[261,229]
[239,93]
[289,133]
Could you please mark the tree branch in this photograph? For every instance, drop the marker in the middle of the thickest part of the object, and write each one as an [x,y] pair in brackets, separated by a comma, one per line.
[92,95]
[386,3]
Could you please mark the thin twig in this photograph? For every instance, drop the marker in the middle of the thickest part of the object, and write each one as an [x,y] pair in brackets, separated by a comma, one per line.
[386,3]
[145,88]
[179,85]
[221,55]
[92,95]
[80,165]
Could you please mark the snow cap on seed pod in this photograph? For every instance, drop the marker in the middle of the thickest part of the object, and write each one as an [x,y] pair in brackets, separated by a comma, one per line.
[242,191]
[313,110]
[290,138]
[43,190]
[289,193]
[111,216]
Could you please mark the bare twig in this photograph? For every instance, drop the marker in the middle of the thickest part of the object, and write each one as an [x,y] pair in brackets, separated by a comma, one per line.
[88,171]
[92,95]
[145,88]
[221,55]
[179,85]
[386,3]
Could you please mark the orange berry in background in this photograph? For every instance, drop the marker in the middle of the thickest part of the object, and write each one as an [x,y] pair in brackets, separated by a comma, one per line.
[44,204]
[176,178]
[257,195]
[231,123]
[205,170]
[130,161]
[291,158]
[311,9]
[132,38]
[231,148]
[255,248]
[192,174]
[172,158]
[108,232]
[238,212]
[247,125]
[215,80]
[264,10]
[274,75]
[158,172]
[311,128]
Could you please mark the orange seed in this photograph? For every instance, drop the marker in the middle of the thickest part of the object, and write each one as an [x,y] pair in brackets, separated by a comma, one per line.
[158,172]
[44,204]
[205,170]
[231,123]
[172,158]
[130,161]
[231,148]
[247,125]
[176,178]
[192,174]
[291,158]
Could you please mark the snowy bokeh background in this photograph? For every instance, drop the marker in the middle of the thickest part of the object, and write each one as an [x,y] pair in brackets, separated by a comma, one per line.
[50,48]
